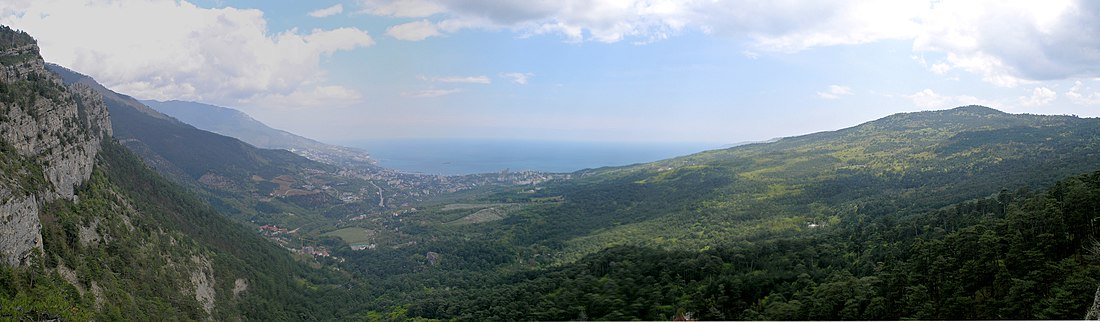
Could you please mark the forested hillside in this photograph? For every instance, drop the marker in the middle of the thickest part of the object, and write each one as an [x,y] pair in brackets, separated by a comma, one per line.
[247,183]
[90,233]
[137,247]
[234,123]
[968,213]
[860,223]
[1015,255]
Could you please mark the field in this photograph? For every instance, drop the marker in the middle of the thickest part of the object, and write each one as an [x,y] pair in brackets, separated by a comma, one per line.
[353,235]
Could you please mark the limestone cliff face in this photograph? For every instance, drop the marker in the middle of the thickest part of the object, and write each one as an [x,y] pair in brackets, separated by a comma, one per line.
[49,137]
[21,229]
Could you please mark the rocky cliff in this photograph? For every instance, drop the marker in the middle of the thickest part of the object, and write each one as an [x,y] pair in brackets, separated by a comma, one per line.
[49,137]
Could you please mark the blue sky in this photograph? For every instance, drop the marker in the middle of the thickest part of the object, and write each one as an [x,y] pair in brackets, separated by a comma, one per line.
[614,70]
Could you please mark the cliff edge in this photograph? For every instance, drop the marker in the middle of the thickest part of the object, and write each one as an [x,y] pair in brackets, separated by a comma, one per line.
[49,137]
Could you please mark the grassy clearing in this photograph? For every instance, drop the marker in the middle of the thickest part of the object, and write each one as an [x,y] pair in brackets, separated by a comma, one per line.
[353,235]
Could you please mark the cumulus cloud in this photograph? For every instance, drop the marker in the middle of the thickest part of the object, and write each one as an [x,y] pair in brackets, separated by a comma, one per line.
[518,78]
[835,92]
[1039,96]
[316,96]
[1015,42]
[940,68]
[1081,94]
[431,92]
[459,79]
[176,50]
[1006,43]
[414,31]
[402,8]
[929,99]
[333,10]
[772,25]
[606,21]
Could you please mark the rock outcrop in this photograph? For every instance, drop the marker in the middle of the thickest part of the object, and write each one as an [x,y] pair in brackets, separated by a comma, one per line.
[49,137]
[21,229]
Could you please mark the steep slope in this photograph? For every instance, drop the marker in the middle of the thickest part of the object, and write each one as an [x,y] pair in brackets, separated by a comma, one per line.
[195,152]
[241,179]
[234,123]
[50,136]
[89,233]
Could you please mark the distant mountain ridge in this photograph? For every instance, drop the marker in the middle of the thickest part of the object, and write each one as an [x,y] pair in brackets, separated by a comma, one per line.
[193,151]
[237,176]
[825,226]
[234,123]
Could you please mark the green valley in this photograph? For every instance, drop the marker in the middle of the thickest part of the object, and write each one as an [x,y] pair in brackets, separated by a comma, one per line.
[762,231]
[111,210]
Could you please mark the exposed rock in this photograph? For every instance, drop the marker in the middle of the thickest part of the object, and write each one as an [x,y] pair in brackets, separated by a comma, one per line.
[52,134]
[62,131]
[88,235]
[22,231]
[98,293]
[239,286]
[203,281]
[70,276]
[433,258]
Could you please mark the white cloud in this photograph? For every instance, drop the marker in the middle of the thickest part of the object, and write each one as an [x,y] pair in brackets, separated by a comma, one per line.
[518,78]
[319,96]
[835,92]
[459,79]
[176,50]
[1015,42]
[605,21]
[1006,43]
[940,68]
[930,100]
[414,31]
[333,10]
[402,8]
[431,92]
[783,26]
[1081,94]
[1039,96]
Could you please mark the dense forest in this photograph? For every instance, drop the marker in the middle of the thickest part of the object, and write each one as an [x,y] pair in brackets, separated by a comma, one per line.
[1016,255]
[792,230]
[1012,255]
[929,215]
[133,248]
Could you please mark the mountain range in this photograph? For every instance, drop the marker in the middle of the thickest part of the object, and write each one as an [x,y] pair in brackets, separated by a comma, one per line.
[89,232]
[112,210]
[233,123]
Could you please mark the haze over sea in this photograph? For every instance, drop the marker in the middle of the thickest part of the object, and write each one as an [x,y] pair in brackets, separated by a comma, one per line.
[469,156]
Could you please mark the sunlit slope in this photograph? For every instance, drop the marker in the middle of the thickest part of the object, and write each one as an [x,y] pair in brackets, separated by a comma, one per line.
[903,163]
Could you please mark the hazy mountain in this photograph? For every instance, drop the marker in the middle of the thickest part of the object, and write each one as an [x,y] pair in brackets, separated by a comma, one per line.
[237,124]
[242,180]
[87,232]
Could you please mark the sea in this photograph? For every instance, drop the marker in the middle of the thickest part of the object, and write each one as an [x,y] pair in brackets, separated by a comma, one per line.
[470,156]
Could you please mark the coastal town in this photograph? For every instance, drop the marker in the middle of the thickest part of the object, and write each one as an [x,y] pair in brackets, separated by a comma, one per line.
[371,191]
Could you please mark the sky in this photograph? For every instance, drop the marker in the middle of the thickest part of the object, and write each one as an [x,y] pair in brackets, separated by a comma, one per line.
[578,70]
